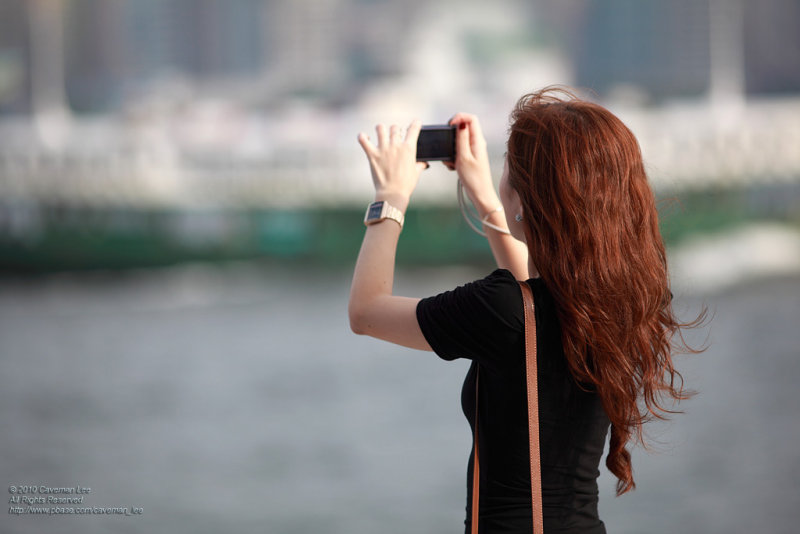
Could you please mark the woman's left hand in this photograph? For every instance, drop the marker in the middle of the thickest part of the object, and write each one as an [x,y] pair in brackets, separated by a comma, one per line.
[393,161]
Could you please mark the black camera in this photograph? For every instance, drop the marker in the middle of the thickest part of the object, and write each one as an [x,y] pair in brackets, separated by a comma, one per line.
[437,143]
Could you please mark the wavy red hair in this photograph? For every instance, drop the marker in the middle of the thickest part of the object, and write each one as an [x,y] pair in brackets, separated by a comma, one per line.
[592,232]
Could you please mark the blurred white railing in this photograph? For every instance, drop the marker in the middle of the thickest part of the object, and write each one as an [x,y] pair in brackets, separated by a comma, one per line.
[102,163]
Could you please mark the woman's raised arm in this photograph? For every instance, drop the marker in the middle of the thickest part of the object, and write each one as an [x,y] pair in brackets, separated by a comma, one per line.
[472,166]
[373,309]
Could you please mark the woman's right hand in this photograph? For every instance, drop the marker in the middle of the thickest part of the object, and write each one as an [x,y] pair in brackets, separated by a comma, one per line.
[395,171]
[472,162]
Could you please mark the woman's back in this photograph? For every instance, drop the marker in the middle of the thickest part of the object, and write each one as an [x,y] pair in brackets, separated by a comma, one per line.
[483,321]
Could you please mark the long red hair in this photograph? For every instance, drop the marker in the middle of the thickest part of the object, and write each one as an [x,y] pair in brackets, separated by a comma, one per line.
[591,227]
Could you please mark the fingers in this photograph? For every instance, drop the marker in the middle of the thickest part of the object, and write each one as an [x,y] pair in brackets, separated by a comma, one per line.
[465,119]
[393,133]
[366,144]
[413,132]
[395,148]
[383,135]
[463,145]
[470,120]
[469,136]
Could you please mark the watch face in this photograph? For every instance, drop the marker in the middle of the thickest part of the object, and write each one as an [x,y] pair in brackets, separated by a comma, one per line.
[375,211]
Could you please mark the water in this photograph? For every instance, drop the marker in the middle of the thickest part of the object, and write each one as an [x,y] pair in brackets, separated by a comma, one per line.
[235,399]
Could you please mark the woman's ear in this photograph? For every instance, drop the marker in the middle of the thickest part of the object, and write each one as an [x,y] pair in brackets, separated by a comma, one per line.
[516,205]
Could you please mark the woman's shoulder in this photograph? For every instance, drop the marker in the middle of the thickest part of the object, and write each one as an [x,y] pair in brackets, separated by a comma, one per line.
[502,284]
[473,319]
[502,280]
[498,287]
[497,293]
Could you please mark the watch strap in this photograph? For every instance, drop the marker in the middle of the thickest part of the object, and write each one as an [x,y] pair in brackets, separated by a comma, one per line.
[387,211]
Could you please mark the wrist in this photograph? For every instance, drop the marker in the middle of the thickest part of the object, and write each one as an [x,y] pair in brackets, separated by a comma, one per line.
[398,200]
[486,203]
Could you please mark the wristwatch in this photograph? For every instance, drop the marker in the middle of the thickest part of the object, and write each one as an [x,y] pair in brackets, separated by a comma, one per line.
[378,211]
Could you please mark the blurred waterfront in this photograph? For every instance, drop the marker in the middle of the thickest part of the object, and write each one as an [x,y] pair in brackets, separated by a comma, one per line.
[136,133]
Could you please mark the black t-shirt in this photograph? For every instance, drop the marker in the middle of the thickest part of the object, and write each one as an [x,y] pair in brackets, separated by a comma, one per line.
[483,321]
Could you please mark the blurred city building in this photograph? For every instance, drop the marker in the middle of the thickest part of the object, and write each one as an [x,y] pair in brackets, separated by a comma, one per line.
[326,50]
[219,107]
[667,49]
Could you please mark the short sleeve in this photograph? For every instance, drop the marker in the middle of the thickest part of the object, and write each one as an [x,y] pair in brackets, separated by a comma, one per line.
[477,321]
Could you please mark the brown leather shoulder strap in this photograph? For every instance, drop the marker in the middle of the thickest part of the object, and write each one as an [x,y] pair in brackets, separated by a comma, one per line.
[533,422]
[533,408]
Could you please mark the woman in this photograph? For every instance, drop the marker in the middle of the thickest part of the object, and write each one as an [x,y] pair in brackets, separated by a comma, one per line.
[576,218]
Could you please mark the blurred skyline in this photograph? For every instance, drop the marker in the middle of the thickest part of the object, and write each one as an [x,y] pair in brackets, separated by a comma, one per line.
[112,111]
[329,52]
